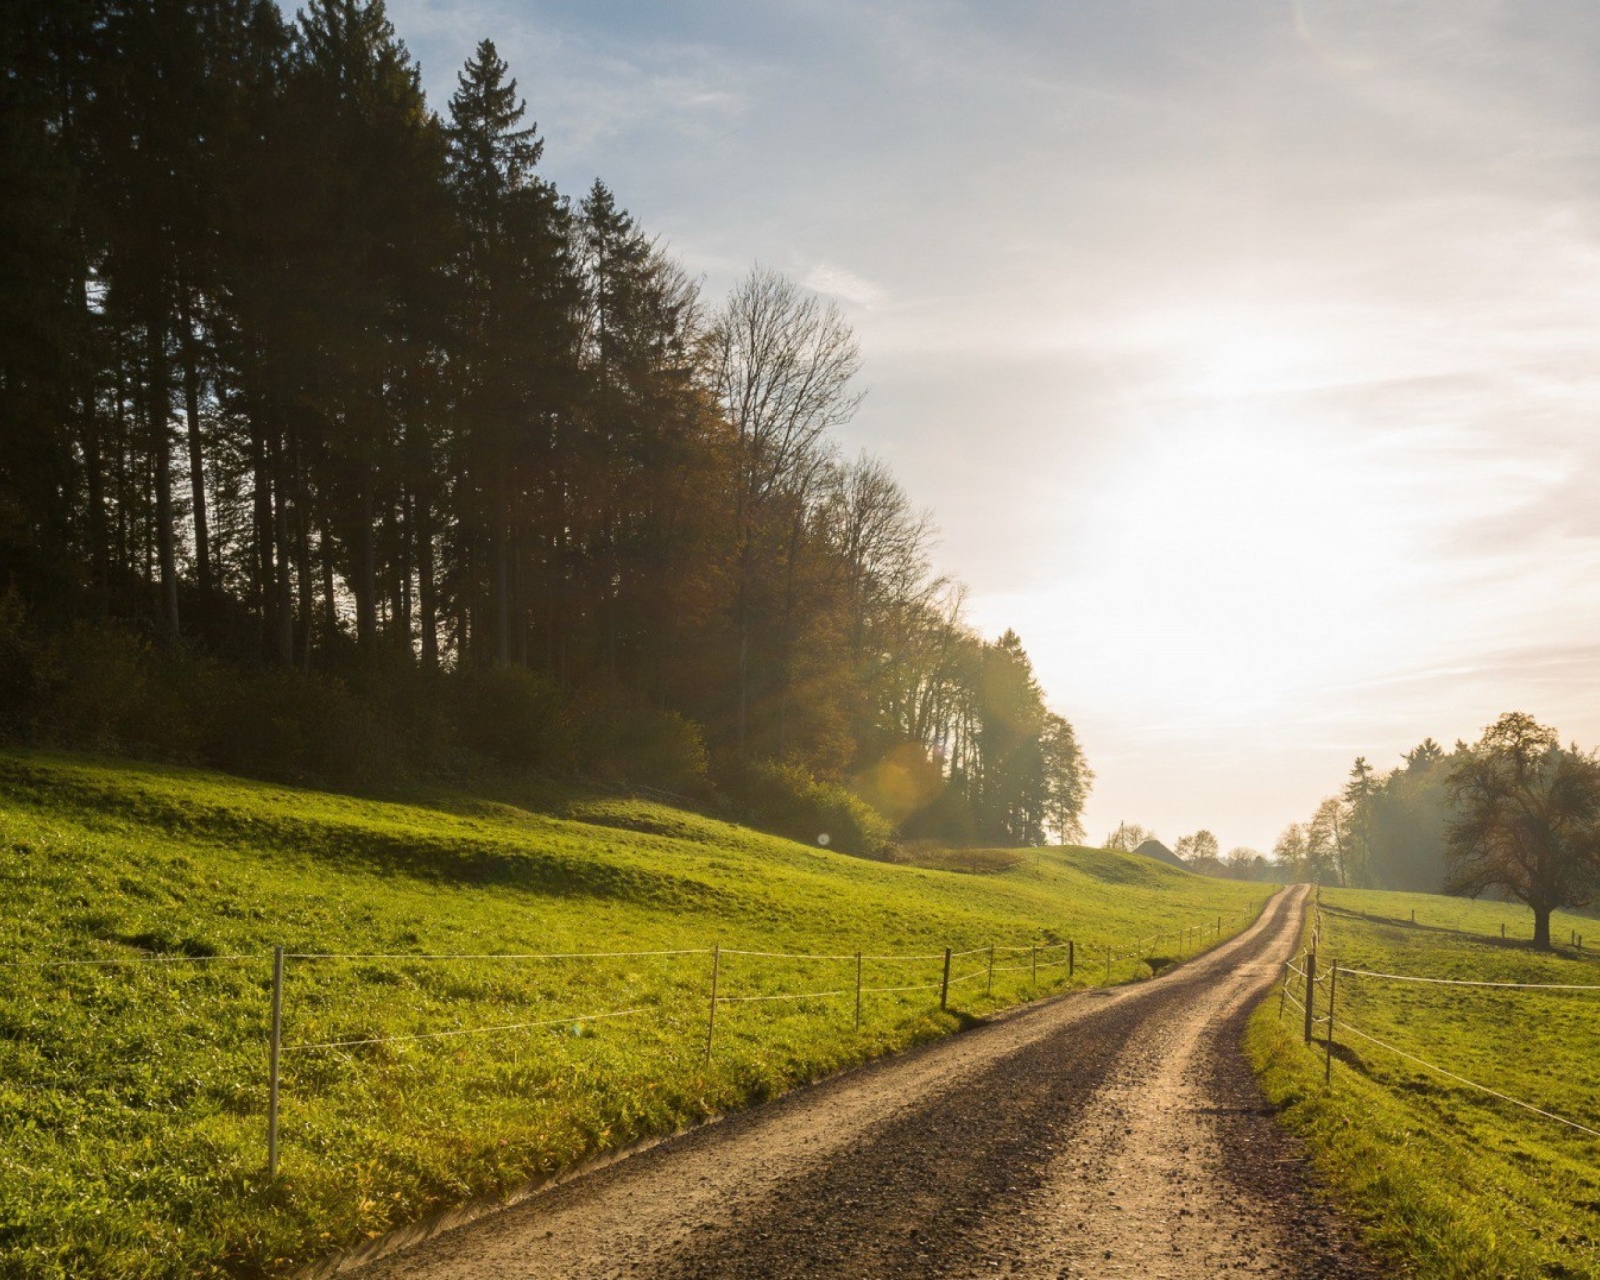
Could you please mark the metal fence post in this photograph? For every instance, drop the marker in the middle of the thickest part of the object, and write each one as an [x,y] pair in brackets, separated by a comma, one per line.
[272,1062]
[944,983]
[1311,990]
[711,1019]
[858,991]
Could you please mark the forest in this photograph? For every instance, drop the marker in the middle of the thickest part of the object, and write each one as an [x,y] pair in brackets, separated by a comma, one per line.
[337,444]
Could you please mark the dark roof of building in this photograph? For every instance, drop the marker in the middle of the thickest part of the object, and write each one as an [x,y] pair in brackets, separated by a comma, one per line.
[1155,849]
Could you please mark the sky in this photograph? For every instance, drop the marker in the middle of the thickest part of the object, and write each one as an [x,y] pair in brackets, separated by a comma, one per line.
[1246,353]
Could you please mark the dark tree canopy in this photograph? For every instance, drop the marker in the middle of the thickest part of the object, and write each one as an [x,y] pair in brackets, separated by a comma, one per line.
[335,441]
[1528,819]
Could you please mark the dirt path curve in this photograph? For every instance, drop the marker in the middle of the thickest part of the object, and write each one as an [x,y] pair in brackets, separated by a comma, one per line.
[1099,1134]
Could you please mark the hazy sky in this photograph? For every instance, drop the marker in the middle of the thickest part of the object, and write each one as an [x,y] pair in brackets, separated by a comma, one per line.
[1247,353]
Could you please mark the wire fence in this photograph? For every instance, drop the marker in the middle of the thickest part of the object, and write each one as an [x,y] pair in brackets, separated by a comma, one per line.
[728,988]
[1299,990]
[1575,940]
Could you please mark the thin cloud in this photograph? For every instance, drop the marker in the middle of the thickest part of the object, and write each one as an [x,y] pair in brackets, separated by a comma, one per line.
[846,286]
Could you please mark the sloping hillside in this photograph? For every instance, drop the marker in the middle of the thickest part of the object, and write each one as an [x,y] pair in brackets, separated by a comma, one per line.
[133,1094]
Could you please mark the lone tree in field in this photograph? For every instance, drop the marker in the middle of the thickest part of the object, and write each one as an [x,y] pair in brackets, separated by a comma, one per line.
[1528,820]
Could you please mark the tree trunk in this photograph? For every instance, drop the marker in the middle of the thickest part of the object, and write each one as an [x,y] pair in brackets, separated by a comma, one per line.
[261,510]
[519,588]
[786,637]
[124,537]
[1541,928]
[330,601]
[284,593]
[502,599]
[302,556]
[94,469]
[743,670]
[427,598]
[366,575]
[403,595]
[197,475]
[161,441]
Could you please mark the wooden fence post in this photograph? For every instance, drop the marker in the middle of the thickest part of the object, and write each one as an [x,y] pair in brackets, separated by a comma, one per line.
[944,983]
[989,989]
[858,991]
[1283,991]
[711,1018]
[1072,964]
[1033,960]
[1311,990]
[272,1062]
[1333,991]
[1108,966]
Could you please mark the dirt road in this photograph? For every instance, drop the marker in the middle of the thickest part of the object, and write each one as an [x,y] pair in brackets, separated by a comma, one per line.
[1100,1134]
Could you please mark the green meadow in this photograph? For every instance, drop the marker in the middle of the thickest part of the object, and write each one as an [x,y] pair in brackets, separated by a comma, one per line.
[1450,1181]
[133,1096]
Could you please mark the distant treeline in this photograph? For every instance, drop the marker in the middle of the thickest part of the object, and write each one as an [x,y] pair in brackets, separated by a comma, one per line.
[337,442]
[1515,814]
[1383,830]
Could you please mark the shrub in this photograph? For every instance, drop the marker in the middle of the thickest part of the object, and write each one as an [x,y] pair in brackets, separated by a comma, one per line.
[514,717]
[289,724]
[786,799]
[19,668]
[102,686]
[618,740]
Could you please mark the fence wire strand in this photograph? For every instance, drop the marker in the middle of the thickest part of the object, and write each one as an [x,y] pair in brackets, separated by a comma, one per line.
[1467,982]
[1472,1084]
[787,955]
[491,955]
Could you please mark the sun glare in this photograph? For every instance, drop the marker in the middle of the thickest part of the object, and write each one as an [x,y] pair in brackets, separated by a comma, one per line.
[1234,555]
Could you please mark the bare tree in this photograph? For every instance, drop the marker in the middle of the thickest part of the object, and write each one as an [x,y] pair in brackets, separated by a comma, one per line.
[1201,847]
[1291,851]
[781,363]
[1128,836]
[1328,843]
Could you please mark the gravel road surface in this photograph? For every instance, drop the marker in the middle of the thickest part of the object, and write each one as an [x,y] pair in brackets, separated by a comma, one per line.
[1098,1134]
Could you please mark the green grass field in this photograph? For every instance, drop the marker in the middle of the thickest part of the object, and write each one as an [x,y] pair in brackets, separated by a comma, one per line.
[133,1096]
[1451,1182]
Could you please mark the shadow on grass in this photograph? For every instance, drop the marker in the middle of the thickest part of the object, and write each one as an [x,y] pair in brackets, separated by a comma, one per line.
[1442,930]
[253,817]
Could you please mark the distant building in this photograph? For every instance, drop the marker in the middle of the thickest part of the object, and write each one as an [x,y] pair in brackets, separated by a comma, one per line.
[1155,849]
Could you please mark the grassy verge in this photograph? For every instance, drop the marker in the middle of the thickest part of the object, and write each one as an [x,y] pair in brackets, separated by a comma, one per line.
[1451,1183]
[132,1097]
